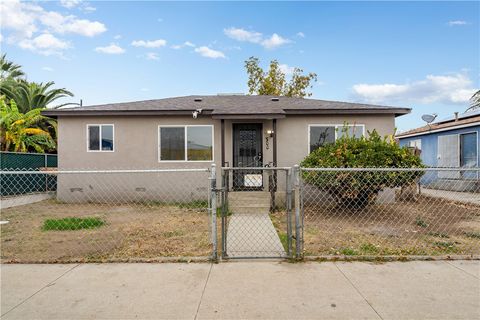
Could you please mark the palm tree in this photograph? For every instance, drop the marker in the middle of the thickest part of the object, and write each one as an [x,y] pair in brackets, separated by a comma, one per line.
[9,70]
[474,102]
[32,95]
[23,132]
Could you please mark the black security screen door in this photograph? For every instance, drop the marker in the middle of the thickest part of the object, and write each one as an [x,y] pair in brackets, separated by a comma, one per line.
[247,152]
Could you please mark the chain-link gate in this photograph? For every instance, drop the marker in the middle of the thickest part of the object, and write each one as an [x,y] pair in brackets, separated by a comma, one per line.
[256,210]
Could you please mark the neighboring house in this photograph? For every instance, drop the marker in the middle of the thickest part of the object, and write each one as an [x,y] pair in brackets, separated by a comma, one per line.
[453,142]
[195,131]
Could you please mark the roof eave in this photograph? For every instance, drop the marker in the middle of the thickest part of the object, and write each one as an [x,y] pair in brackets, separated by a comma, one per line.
[396,111]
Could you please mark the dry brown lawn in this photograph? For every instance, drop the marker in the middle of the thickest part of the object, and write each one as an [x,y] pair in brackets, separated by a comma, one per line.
[428,226]
[131,231]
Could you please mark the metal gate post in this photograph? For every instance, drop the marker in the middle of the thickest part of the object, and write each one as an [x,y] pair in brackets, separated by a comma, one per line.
[298,213]
[213,208]
[226,181]
[289,211]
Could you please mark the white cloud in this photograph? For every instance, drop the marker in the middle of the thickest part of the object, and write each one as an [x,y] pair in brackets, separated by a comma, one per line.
[70,3]
[46,44]
[457,23]
[110,49]
[149,44]
[240,34]
[69,24]
[274,41]
[152,56]
[47,69]
[26,21]
[29,26]
[89,8]
[301,34]
[448,89]
[209,53]
[118,36]
[286,69]
[185,44]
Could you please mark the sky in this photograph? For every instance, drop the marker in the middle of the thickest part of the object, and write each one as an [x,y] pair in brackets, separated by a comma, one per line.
[422,55]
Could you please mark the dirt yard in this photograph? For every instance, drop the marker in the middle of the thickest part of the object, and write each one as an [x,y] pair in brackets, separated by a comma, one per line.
[132,231]
[429,226]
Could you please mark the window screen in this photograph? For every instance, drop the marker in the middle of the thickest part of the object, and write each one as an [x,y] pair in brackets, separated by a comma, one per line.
[321,135]
[94,138]
[100,137]
[172,143]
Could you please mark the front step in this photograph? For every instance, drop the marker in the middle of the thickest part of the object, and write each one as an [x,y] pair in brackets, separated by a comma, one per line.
[247,202]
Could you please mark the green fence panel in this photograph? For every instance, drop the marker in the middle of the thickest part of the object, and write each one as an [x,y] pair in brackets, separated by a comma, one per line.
[24,183]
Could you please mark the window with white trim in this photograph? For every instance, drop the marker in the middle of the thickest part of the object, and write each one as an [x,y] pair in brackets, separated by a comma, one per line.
[100,137]
[320,135]
[186,143]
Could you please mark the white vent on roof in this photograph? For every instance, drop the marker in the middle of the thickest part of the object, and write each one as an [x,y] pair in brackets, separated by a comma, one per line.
[197,99]
[275,99]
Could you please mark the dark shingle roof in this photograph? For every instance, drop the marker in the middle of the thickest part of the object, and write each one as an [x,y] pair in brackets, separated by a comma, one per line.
[224,105]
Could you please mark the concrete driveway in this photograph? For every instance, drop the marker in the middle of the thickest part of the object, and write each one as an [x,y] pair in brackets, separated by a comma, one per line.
[234,290]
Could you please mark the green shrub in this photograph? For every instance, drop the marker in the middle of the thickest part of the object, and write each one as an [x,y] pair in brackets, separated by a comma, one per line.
[356,189]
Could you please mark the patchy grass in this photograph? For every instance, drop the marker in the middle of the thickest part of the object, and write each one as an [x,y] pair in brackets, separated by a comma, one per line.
[195,204]
[348,252]
[129,231]
[72,223]
[426,227]
[420,222]
[474,235]
[439,235]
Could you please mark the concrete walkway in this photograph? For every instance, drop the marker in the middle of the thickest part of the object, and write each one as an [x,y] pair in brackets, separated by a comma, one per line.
[253,235]
[246,290]
[465,197]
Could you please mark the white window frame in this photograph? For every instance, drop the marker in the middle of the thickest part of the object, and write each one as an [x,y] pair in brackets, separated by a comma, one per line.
[460,146]
[336,130]
[100,136]
[185,128]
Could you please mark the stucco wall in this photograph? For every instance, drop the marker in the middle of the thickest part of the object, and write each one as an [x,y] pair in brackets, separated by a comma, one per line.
[136,147]
[136,140]
[293,132]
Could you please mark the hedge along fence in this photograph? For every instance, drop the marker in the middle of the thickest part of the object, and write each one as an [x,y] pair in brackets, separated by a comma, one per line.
[24,183]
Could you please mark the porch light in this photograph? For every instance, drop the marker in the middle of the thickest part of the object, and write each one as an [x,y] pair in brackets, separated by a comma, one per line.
[270,133]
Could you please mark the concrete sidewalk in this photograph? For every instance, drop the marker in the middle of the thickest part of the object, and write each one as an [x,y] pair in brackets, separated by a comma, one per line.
[234,290]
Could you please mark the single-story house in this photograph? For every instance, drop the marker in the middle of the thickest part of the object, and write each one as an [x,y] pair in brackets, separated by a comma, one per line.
[195,131]
[453,142]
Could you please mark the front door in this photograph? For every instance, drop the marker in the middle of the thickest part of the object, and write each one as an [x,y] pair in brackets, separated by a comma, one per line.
[247,152]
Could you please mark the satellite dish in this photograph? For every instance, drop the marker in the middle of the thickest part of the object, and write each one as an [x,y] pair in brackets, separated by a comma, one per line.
[429,118]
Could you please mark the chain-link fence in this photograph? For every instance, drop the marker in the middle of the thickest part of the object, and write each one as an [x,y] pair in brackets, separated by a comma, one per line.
[256,213]
[125,215]
[27,183]
[390,212]
[113,215]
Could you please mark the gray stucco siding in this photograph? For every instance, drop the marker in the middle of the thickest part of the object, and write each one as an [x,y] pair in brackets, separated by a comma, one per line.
[136,147]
